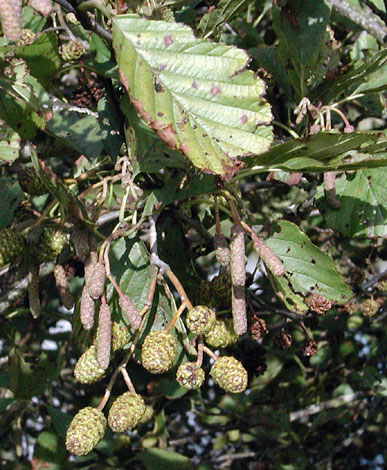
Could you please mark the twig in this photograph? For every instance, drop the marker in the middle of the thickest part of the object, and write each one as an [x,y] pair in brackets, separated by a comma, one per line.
[199,360]
[368,22]
[127,380]
[175,317]
[210,353]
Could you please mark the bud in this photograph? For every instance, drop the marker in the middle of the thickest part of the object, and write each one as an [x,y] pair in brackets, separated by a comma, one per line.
[130,312]
[63,287]
[222,334]
[87,370]
[158,352]
[222,251]
[239,309]
[87,310]
[369,307]
[44,7]
[85,431]
[104,336]
[229,374]
[237,251]
[200,320]
[189,375]
[11,18]
[96,282]
[126,412]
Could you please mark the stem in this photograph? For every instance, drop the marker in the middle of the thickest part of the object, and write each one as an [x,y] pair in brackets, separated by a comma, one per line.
[199,360]
[210,353]
[179,288]
[127,380]
[177,314]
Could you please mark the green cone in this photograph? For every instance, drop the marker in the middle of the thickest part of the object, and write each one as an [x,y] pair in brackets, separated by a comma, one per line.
[87,370]
[50,245]
[200,320]
[29,179]
[222,334]
[85,431]
[11,246]
[189,375]
[229,374]
[158,352]
[126,412]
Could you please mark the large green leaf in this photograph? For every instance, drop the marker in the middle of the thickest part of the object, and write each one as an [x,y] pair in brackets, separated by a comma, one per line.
[10,196]
[325,151]
[363,197]
[196,95]
[309,270]
[301,28]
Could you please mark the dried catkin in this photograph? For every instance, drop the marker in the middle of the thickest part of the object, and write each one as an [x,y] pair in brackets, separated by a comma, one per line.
[33,290]
[63,287]
[104,336]
[43,7]
[80,241]
[273,263]
[239,316]
[11,18]
[87,310]
[237,251]
[130,312]
[96,283]
[90,263]
[222,250]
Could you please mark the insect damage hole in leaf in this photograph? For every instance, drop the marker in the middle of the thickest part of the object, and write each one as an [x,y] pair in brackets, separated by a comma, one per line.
[196,95]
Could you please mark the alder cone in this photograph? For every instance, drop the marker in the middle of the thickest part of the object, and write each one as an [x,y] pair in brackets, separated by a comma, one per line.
[87,370]
[50,245]
[120,336]
[200,320]
[158,352]
[228,373]
[222,334]
[190,376]
[28,178]
[126,412]
[11,246]
[85,431]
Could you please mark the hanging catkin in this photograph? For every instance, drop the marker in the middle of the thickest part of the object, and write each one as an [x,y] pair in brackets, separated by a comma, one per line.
[63,287]
[11,18]
[104,336]
[237,251]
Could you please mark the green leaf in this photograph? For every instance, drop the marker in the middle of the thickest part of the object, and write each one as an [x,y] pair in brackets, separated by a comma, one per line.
[41,56]
[309,270]
[325,151]
[10,196]
[301,30]
[283,289]
[110,127]
[362,77]
[9,144]
[193,93]
[159,459]
[363,211]
[225,10]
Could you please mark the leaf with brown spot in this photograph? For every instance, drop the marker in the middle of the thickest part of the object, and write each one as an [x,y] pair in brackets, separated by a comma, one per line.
[195,94]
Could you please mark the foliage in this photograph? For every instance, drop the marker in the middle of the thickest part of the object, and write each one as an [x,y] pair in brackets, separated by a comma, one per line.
[226,154]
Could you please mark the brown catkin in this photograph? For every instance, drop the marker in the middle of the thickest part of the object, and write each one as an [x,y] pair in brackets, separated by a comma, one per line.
[63,287]
[80,241]
[87,310]
[43,7]
[222,250]
[33,290]
[96,283]
[90,263]
[104,336]
[11,18]
[271,260]
[239,309]
[237,251]
[130,312]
